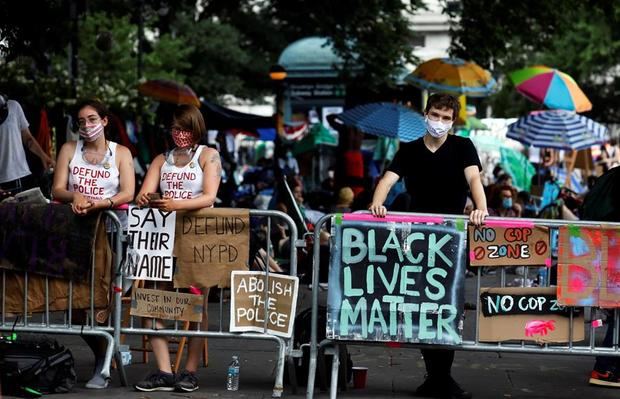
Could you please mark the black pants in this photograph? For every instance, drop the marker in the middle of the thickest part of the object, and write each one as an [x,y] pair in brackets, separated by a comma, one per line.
[438,361]
[608,363]
[18,185]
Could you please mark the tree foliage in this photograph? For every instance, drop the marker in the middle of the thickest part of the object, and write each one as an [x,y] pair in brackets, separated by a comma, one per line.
[579,37]
[218,47]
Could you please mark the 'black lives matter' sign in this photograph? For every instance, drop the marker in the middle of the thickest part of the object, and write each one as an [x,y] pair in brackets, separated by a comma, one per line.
[398,282]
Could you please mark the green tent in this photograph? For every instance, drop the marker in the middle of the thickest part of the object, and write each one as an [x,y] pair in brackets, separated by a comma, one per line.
[518,167]
[318,135]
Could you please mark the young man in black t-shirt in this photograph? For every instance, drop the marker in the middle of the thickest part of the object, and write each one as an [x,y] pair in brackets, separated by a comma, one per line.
[439,170]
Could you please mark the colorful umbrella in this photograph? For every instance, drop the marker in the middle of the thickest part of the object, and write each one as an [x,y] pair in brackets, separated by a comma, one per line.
[518,167]
[169,91]
[453,76]
[557,129]
[386,120]
[550,87]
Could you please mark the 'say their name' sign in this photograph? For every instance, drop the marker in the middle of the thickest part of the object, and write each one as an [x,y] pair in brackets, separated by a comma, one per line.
[151,241]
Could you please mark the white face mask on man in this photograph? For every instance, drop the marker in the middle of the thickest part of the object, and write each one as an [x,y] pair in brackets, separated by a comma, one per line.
[437,129]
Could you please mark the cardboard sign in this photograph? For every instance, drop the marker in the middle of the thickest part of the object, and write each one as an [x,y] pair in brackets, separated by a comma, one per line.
[167,305]
[589,266]
[47,239]
[252,291]
[151,241]
[211,243]
[399,282]
[509,246]
[529,314]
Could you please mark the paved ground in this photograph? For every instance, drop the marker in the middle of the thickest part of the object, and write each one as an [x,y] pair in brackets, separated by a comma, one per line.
[393,372]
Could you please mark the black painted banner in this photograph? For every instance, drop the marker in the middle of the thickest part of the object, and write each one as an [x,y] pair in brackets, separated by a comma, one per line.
[47,239]
[399,282]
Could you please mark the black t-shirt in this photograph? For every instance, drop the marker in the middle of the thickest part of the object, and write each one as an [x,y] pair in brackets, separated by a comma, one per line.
[436,181]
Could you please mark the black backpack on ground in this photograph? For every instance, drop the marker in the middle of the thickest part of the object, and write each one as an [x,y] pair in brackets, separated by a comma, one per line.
[34,365]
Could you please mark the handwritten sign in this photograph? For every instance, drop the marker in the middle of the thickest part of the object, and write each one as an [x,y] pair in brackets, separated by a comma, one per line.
[211,243]
[509,246]
[48,240]
[252,292]
[167,305]
[496,304]
[589,266]
[151,239]
[526,313]
[396,282]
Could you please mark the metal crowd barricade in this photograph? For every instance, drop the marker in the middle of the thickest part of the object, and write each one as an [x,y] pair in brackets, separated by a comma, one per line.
[285,348]
[61,322]
[589,347]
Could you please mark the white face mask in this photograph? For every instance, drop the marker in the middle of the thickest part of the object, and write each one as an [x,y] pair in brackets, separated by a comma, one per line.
[437,129]
[91,132]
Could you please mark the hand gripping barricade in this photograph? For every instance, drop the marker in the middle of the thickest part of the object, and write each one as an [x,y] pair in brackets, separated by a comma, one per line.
[400,280]
[285,350]
[26,294]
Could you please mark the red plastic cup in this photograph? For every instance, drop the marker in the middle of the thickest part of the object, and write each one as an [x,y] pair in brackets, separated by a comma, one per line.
[360,374]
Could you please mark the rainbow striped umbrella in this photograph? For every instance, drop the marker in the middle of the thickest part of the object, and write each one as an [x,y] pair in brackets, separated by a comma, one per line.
[169,91]
[453,76]
[550,87]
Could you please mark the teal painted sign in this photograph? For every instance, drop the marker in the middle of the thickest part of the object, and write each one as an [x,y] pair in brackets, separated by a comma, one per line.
[399,282]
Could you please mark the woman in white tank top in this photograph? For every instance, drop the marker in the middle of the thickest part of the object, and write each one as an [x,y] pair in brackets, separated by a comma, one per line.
[187,178]
[93,173]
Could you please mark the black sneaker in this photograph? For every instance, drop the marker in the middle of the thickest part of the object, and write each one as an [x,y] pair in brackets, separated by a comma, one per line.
[186,381]
[156,381]
[442,388]
[605,378]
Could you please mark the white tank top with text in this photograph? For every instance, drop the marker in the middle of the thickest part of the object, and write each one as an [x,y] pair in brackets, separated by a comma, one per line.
[185,182]
[94,182]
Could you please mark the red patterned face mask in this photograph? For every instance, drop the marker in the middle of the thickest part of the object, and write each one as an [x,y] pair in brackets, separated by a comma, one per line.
[182,138]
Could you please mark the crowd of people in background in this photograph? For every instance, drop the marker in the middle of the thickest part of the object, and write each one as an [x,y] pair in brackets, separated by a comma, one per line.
[197,170]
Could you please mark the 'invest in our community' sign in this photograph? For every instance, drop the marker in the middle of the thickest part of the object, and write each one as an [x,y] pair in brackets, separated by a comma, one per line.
[399,282]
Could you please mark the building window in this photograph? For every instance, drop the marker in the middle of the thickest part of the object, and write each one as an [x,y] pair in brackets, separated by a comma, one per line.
[418,41]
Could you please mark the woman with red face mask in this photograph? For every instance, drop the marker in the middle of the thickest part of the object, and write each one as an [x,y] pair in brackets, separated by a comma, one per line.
[187,178]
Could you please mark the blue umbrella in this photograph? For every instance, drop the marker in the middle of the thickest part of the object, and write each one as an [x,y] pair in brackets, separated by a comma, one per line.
[558,129]
[386,120]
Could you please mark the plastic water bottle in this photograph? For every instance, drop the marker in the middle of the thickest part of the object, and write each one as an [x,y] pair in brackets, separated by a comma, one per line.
[232,378]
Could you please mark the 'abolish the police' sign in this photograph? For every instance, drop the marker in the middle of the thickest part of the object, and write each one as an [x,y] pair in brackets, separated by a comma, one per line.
[399,282]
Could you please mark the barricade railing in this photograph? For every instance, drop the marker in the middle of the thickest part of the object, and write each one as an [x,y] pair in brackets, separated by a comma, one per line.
[588,348]
[285,348]
[62,321]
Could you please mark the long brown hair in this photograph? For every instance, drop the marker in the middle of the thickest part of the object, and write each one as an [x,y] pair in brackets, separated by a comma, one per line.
[188,117]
